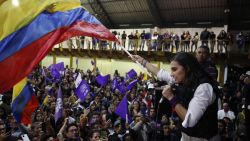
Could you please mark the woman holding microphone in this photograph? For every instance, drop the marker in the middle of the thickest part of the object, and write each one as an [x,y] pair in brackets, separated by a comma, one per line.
[193,95]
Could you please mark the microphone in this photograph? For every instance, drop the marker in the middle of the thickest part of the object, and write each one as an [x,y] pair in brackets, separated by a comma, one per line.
[160,88]
[173,88]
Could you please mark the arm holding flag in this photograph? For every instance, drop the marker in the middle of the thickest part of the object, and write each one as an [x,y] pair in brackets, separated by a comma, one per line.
[150,67]
[136,61]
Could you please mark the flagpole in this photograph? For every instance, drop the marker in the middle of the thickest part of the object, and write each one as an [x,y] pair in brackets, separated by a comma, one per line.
[135,61]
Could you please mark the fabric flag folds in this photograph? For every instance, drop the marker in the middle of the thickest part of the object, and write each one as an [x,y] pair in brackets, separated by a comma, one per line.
[56,70]
[122,88]
[59,66]
[82,90]
[26,10]
[103,80]
[59,105]
[23,47]
[78,79]
[114,84]
[131,74]
[122,109]
[132,84]
[24,102]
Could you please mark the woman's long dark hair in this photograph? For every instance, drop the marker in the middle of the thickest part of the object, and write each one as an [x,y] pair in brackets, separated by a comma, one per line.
[195,74]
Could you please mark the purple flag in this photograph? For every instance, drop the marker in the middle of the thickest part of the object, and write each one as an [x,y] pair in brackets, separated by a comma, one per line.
[132,84]
[114,84]
[82,90]
[103,80]
[78,80]
[55,74]
[122,88]
[58,66]
[55,70]
[122,109]
[132,73]
[59,105]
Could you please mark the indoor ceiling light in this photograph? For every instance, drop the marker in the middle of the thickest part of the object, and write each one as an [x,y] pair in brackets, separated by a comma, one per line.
[15,2]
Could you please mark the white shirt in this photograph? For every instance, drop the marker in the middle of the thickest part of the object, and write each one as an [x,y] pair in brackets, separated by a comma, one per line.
[203,97]
[229,114]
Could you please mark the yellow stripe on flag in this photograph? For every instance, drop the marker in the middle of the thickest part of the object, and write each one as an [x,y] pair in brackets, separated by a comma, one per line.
[46,99]
[18,88]
[16,15]
[63,6]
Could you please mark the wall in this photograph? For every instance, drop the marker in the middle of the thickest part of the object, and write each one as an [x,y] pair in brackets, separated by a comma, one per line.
[47,61]
[106,66]
[64,59]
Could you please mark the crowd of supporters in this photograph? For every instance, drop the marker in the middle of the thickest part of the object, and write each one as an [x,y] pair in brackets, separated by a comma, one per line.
[170,41]
[94,118]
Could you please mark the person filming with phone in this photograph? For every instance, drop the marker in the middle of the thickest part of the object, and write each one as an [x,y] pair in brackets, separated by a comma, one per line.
[193,94]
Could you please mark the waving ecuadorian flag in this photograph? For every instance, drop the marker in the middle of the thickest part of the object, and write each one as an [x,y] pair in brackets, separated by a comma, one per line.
[24,102]
[29,34]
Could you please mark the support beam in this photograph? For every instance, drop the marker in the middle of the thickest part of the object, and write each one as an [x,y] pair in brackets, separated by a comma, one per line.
[101,13]
[54,59]
[71,61]
[154,9]
[158,64]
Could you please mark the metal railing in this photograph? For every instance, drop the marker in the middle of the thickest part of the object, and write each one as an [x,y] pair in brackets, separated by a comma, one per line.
[168,45]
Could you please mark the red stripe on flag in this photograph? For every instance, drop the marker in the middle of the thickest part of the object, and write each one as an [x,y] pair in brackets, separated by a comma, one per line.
[20,64]
[31,106]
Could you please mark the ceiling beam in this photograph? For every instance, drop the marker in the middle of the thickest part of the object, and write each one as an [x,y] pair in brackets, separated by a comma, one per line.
[198,7]
[101,13]
[154,9]
[107,1]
